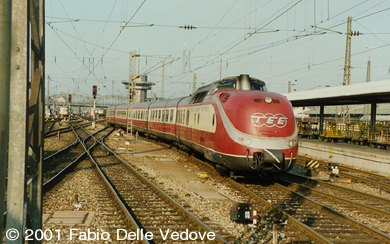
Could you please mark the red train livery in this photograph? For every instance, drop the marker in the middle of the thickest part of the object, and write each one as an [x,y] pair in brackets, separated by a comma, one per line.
[235,123]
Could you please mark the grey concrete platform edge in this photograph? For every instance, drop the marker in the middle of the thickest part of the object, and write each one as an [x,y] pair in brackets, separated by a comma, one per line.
[361,157]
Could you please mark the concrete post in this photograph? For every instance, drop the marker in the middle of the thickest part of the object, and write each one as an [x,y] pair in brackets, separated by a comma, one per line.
[5,62]
[17,153]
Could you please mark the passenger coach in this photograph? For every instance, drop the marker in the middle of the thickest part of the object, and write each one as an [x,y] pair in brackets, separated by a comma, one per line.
[234,122]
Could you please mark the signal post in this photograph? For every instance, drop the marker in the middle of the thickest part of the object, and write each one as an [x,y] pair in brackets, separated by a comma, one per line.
[70,101]
[94,93]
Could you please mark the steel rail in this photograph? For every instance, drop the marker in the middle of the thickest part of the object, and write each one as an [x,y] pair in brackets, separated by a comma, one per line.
[309,232]
[345,189]
[373,232]
[49,184]
[65,129]
[356,178]
[122,205]
[344,200]
[189,215]
[381,177]
[365,180]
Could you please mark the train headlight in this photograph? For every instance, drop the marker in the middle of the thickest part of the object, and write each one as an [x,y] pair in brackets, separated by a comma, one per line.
[292,143]
[245,141]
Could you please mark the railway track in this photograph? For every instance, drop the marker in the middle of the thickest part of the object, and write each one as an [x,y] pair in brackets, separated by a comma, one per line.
[312,215]
[379,181]
[369,209]
[154,212]
[151,209]
[56,132]
[83,189]
[333,226]
[56,162]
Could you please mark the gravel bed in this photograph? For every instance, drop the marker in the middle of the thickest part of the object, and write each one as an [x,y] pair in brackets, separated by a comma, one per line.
[358,186]
[54,144]
[215,211]
[83,190]
[378,222]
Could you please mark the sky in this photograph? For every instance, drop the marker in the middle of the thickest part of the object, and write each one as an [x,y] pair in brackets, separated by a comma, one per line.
[88,42]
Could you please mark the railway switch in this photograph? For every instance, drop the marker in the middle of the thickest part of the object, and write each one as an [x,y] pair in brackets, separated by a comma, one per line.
[242,212]
[334,169]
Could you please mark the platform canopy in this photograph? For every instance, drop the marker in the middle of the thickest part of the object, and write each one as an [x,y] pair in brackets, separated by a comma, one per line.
[363,93]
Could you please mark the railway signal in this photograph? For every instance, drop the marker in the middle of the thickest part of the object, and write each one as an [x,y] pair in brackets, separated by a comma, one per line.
[131,96]
[94,93]
[242,212]
[334,169]
[70,101]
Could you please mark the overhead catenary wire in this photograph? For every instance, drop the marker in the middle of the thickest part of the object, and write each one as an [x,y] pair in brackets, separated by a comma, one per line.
[235,55]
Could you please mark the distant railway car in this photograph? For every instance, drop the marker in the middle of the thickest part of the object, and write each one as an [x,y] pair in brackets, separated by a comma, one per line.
[64,111]
[234,122]
[101,112]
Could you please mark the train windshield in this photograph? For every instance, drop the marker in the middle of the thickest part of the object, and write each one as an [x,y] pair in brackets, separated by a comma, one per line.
[239,84]
[258,85]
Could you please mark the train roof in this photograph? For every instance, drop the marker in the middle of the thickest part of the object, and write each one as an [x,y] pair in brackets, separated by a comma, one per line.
[241,82]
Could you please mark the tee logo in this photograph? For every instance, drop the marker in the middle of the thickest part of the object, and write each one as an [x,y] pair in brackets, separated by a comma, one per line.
[269,120]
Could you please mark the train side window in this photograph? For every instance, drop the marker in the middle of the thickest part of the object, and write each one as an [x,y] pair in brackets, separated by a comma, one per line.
[159,115]
[198,117]
[171,116]
[166,115]
[213,119]
[188,117]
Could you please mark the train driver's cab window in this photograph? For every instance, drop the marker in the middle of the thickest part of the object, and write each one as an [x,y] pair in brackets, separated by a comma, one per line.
[258,85]
[225,84]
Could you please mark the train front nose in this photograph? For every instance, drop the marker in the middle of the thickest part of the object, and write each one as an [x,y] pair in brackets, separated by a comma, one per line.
[266,128]
[270,160]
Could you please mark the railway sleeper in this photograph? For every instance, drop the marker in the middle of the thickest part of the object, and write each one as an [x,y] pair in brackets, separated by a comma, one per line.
[155,209]
[164,215]
[174,227]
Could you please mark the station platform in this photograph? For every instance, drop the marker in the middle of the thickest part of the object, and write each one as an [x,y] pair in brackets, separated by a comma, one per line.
[361,157]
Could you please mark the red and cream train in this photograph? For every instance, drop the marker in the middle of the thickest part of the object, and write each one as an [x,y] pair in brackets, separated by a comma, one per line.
[235,123]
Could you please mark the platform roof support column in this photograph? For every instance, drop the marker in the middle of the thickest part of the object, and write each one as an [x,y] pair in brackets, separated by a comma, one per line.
[373,116]
[321,128]
[5,61]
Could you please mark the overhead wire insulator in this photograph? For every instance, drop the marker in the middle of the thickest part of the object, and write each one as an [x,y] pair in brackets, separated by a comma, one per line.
[188,27]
